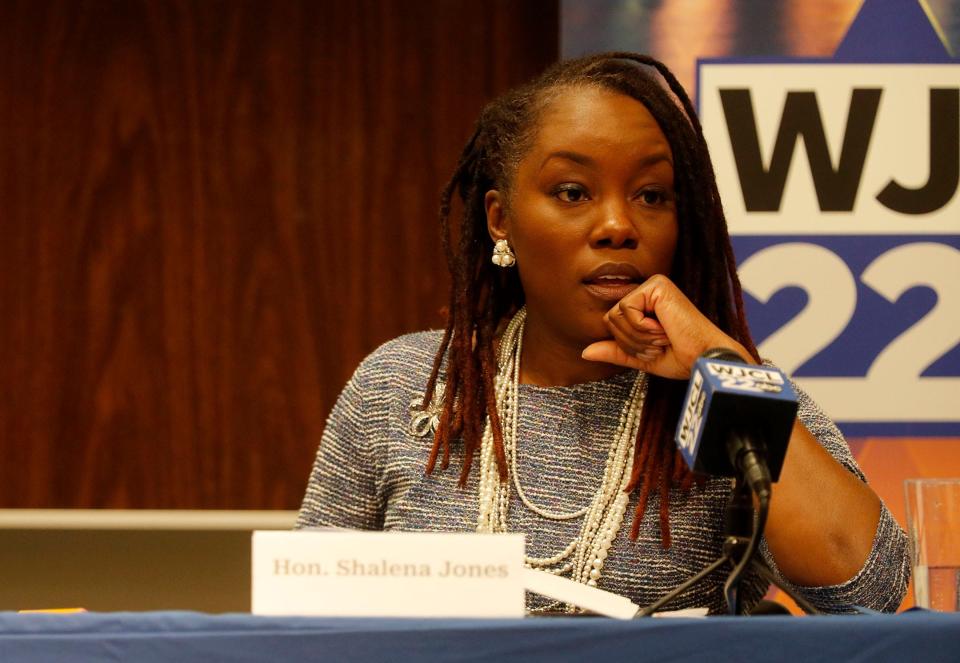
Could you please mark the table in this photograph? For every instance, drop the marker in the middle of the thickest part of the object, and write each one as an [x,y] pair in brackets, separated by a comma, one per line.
[188,637]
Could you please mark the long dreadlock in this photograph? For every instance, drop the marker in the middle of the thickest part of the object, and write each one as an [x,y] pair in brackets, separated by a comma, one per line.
[482,296]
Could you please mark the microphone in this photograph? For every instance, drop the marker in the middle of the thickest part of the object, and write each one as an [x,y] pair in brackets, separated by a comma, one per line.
[736,419]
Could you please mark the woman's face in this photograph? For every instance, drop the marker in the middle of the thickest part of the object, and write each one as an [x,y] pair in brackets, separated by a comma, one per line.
[592,210]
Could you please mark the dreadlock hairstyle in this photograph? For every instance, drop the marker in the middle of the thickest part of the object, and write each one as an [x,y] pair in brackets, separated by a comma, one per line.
[483,297]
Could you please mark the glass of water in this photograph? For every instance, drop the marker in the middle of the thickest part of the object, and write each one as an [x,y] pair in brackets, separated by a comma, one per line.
[933,524]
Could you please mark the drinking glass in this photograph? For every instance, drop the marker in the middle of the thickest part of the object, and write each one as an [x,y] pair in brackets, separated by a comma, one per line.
[933,524]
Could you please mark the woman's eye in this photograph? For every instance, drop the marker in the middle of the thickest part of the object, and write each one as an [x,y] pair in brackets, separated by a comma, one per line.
[652,197]
[570,194]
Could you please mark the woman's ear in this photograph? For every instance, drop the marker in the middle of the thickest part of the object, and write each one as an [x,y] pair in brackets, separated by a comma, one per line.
[496,215]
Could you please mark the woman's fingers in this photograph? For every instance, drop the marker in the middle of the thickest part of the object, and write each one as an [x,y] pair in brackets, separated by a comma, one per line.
[636,318]
[636,332]
[657,329]
[634,343]
[610,352]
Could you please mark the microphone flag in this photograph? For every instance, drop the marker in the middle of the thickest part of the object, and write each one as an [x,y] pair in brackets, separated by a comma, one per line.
[727,398]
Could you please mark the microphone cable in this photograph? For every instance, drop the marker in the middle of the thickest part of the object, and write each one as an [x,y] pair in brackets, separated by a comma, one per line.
[732,584]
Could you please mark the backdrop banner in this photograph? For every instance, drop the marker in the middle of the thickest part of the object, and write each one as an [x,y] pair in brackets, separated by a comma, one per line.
[834,129]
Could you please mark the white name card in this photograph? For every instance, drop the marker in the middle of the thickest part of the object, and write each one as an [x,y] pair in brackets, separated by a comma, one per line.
[347,573]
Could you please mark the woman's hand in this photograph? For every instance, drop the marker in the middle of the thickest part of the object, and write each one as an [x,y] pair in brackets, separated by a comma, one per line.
[823,518]
[658,330]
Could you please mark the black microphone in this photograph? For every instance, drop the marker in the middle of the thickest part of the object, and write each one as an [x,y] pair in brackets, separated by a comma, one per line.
[736,419]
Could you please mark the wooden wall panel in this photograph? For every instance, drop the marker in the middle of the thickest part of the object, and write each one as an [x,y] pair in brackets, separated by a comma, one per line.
[210,211]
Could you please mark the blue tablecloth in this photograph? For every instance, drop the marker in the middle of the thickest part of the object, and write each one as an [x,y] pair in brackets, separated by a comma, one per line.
[187,637]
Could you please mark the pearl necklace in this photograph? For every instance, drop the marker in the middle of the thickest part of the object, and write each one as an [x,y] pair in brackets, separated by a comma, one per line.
[583,558]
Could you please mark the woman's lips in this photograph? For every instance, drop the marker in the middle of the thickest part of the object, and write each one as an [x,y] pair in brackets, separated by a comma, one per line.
[610,290]
[612,281]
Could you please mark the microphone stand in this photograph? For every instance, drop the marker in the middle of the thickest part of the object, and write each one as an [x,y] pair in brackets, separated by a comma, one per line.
[741,533]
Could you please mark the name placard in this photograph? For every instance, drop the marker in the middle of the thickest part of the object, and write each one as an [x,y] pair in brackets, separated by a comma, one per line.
[387,574]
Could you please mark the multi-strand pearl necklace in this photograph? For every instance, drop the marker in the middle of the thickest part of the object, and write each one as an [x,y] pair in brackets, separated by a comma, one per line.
[583,558]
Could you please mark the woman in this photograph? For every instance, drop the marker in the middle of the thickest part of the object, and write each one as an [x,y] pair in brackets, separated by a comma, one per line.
[593,267]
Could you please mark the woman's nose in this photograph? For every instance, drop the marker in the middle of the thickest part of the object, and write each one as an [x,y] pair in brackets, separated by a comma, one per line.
[615,229]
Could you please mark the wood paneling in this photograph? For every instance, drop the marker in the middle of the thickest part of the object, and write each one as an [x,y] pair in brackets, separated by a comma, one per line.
[210,211]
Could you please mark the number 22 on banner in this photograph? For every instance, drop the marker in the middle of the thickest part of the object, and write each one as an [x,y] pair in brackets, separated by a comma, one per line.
[831,289]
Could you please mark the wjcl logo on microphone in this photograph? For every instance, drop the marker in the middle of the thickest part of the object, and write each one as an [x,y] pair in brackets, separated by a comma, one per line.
[839,180]
[750,379]
[692,419]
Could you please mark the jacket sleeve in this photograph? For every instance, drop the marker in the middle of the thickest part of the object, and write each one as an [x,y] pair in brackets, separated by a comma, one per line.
[342,490]
[882,581]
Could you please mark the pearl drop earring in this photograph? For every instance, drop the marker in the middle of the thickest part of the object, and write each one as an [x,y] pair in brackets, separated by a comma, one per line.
[503,255]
